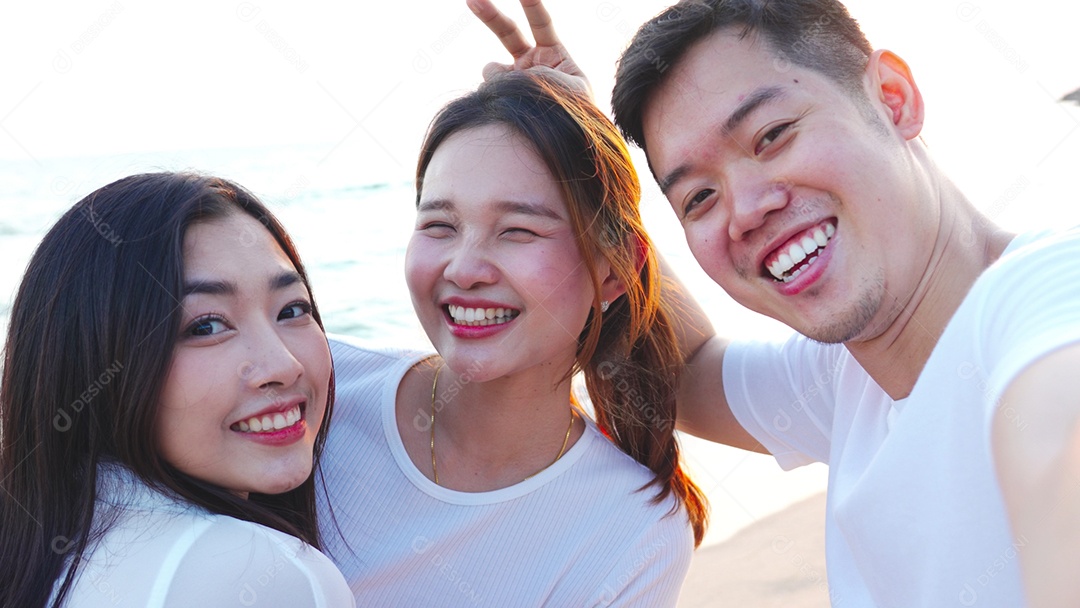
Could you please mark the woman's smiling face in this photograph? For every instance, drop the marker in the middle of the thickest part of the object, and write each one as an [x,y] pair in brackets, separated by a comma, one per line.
[247,388]
[494,268]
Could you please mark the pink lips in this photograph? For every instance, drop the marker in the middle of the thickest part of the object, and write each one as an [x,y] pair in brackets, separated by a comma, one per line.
[283,436]
[471,332]
[808,276]
[461,330]
[286,436]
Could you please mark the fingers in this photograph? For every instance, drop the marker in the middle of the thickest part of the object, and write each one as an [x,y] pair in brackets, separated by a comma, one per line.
[574,80]
[502,26]
[492,70]
[543,30]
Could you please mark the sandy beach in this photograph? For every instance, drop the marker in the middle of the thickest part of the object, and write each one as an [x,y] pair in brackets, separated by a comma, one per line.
[776,562]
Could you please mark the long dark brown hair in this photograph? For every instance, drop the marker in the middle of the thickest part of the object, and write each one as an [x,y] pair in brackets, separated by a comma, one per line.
[628,354]
[89,344]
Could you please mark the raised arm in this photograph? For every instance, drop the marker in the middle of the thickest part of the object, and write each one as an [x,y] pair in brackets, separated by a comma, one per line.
[1036,441]
[702,408]
[547,54]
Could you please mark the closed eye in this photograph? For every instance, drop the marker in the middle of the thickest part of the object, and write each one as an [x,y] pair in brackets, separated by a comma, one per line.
[520,235]
[520,231]
[436,229]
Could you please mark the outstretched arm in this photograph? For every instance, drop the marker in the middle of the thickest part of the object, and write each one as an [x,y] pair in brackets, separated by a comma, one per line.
[547,54]
[1036,441]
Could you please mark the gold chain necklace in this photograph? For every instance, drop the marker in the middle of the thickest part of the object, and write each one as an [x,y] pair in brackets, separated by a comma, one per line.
[435,469]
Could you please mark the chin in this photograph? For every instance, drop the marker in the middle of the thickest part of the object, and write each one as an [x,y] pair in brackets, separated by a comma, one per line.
[284,481]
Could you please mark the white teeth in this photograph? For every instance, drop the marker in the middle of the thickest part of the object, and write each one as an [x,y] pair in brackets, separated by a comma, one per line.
[269,422]
[797,253]
[805,249]
[481,317]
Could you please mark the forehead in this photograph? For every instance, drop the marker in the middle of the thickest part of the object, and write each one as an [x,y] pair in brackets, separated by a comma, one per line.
[235,243]
[710,81]
[491,163]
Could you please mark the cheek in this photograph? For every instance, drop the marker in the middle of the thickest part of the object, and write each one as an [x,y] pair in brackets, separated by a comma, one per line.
[196,391]
[420,266]
[705,244]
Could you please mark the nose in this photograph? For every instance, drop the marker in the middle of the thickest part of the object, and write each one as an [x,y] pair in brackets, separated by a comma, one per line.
[470,264]
[272,362]
[753,198]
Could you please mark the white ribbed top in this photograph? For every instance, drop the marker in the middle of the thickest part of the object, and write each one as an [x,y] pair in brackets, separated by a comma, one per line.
[579,533]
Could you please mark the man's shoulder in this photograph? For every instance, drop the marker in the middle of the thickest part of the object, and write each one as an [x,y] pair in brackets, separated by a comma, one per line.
[1036,246]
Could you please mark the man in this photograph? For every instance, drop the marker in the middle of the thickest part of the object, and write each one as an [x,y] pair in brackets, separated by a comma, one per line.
[935,366]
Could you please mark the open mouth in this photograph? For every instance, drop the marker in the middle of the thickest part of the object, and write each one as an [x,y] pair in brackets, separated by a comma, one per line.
[269,423]
[794,257]
[481,317]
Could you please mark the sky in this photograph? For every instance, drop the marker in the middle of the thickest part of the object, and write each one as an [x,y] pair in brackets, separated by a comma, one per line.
[102,77]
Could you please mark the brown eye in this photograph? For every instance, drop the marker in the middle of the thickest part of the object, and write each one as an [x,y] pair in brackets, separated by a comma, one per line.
[206,326]
[771,136]
[294,311]
[698,198]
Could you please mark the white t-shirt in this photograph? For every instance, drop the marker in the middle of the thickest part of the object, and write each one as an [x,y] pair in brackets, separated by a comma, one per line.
[579,533]
[160,551]
[915,514]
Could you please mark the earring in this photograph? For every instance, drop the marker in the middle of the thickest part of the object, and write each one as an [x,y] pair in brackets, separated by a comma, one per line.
[604,305]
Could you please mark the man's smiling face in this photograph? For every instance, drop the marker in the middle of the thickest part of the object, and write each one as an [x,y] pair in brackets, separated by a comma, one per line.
[796,196]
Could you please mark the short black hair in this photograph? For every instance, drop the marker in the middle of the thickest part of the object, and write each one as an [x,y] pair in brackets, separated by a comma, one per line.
[817,34]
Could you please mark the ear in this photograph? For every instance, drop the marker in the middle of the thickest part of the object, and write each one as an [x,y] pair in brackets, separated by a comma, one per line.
[889,81]
[612,286]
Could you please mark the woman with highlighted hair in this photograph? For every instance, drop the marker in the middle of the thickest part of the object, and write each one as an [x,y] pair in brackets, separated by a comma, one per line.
[473,476]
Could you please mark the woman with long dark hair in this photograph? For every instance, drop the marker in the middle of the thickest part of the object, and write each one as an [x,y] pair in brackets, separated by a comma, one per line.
[528,265]
[166,389]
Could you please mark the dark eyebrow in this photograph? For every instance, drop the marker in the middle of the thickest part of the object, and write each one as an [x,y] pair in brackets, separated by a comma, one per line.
[527,209]
[758,98]
[440,204]
[278,282]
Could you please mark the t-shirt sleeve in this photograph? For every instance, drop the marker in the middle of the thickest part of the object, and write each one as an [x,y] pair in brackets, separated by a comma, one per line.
[1030,308]
[237,563]
[783,393]
[652,571]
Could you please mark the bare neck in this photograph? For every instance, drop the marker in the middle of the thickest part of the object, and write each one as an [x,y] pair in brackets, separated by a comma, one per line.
[965,245]
[488,435]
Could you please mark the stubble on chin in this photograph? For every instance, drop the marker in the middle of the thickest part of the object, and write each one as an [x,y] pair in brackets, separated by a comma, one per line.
[855,323]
